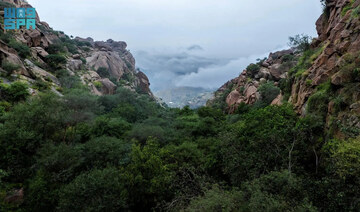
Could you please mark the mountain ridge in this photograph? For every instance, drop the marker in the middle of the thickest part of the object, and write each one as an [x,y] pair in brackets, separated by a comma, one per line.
[103,66]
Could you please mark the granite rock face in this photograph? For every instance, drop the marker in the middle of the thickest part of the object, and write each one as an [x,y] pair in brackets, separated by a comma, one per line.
[83,60]
[334,62]
[244,88]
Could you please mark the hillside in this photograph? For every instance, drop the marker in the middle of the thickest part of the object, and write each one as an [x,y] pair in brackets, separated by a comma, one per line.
[321,77]
[47,59]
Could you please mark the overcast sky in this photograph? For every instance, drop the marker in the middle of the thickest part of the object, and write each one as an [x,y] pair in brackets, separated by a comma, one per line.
[200,43]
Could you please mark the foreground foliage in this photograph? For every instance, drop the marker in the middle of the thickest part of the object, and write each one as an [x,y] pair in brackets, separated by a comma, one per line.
[125,152]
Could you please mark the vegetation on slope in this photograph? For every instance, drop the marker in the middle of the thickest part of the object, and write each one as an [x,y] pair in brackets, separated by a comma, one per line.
[124,152]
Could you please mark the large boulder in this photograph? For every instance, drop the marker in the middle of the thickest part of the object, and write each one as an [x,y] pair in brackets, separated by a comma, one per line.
[233,98]
[9,55]
[275,71]
[109,60]
[142,82]
[40,73]
[74,65]
[108,87]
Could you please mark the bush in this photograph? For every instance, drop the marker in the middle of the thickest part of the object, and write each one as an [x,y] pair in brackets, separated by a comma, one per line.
[346,157]
[318,102]
[260,140]
[55,48]
[300,42]
[67,81]
[55,61]
[83,60]
[41,85]
[22,49]
[61,163]
[217,199]
[103,72]
[115,127]
[97,190]
[6,37]
[252,69]
[106,151]
[276,191]
[14,92]
[9,67]
[268,92]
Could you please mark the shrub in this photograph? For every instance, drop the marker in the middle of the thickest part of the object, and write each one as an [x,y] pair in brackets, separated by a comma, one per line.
[6,37]
[82,43]
[115,127]
[106,151]
[14,92]
[67,81]
[97,190]
[103,72]
[300,42]
[356,12]
[4,107]
[345,156]
[217,199]
[55,60]
[268,92]
[276,191]
[98,84]
[22,49]
[41,85]
[83,60]
[287,58]
[318,102]
[252,69]
[346,8]
[86,49]
[9,67]
[55,48]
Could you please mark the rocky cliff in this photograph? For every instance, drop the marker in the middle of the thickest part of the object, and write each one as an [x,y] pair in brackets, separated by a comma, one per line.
[43,53]
[323,79]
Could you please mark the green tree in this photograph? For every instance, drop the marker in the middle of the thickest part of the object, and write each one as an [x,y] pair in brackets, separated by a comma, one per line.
[55,61]
[147,178]
[268,92]
[300,42]
[96,190]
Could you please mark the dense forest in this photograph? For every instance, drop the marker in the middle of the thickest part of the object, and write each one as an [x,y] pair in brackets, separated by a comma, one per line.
[82,152]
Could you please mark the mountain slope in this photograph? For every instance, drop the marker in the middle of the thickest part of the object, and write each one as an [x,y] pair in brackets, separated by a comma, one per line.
[43,55]
[323,79]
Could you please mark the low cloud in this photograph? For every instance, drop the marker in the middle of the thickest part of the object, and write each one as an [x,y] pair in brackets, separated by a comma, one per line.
[215,76]
[195,48]
[184,69]
[166,69]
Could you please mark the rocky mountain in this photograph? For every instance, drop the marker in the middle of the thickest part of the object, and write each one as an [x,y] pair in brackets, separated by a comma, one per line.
[182,96]
[42,55]
[319,77]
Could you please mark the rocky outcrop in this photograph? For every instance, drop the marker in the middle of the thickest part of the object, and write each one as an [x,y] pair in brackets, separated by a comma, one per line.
[244,89]
[339,34]
[329,73]
[74,65]
[40,73]
[86,58]
[107,87]
[9,55]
